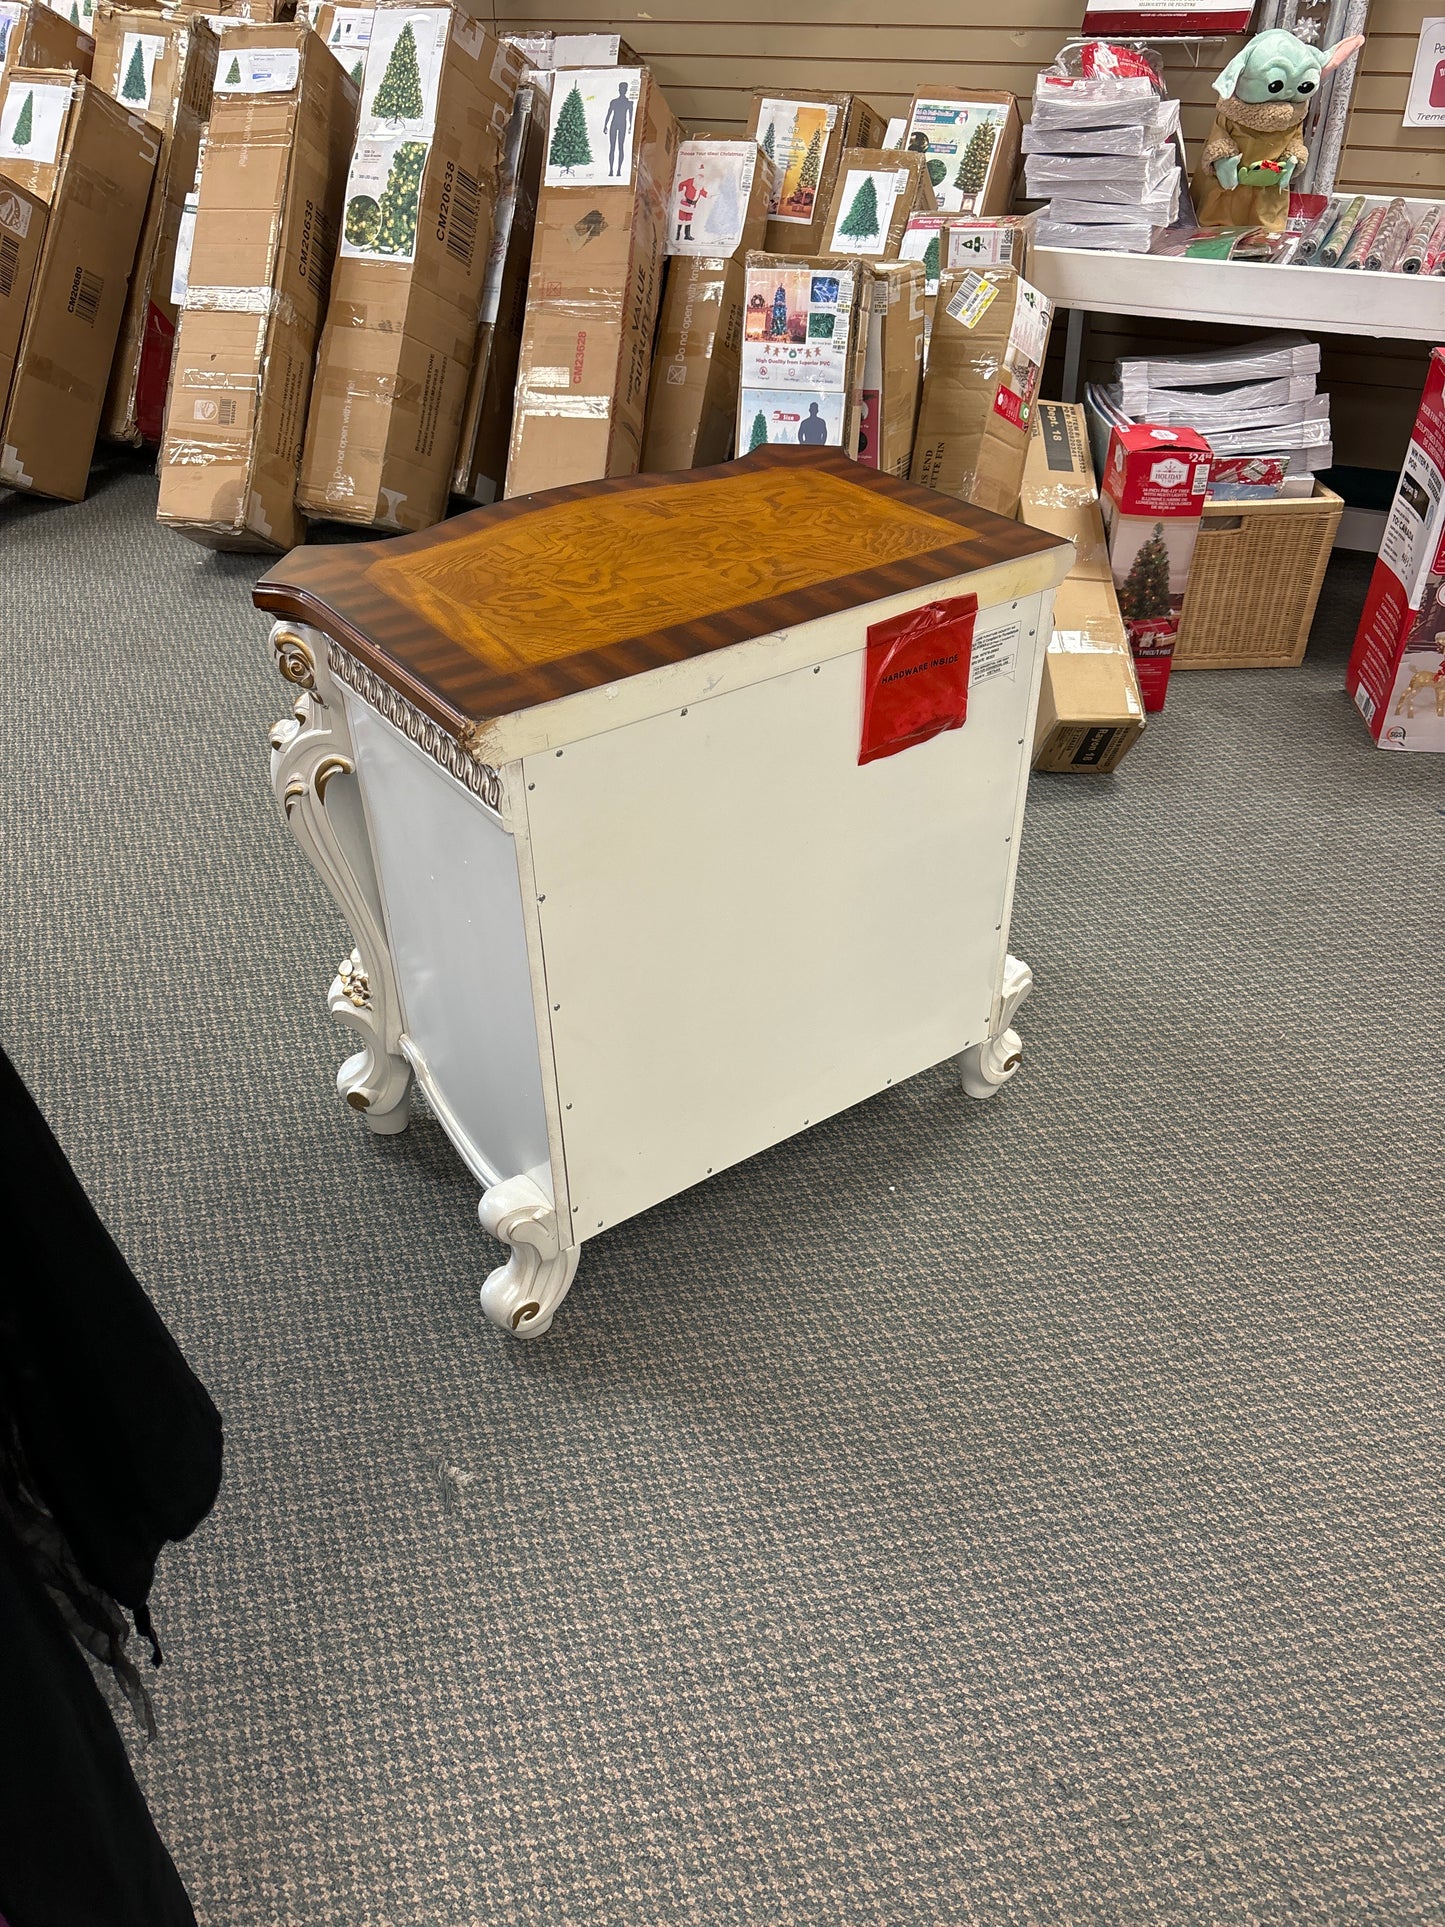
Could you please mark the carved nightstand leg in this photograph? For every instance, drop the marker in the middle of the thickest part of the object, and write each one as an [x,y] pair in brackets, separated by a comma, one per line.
[987,1067]
[313,772]
[522,1294]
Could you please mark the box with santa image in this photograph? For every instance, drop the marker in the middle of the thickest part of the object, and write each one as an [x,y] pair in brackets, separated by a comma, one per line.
[1397,667]
[1152,494]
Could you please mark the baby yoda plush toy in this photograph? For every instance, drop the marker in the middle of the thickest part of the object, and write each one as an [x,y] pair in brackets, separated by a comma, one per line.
[1254,146]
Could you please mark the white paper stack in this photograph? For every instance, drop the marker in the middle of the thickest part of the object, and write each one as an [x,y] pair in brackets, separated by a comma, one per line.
[1102,153]
[1256,399]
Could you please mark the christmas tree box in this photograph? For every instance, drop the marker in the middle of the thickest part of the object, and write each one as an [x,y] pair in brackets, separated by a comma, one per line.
[22,231]
[873,197]
[546,52]
[596,282]
[985,359]
[1154,484]
[970,144]
[481,467]
[265,237]
[1090,710]
[1396,674]
[804,135]
[805,342]
[34,35]
[892,366]
[102,160]
[401,330]
[164,68]
[719,214]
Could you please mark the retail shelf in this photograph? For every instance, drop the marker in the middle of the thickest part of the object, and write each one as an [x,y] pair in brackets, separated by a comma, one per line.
[1395,307]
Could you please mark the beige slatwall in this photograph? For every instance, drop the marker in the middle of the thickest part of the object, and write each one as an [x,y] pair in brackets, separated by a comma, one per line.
[711,55]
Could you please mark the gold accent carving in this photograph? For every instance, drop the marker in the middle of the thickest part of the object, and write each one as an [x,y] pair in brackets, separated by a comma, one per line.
[328,767]
[293,659]
[355,985]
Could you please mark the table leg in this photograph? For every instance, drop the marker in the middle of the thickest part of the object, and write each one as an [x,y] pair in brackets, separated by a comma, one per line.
[987,1067]
[313,773]
[522,1294]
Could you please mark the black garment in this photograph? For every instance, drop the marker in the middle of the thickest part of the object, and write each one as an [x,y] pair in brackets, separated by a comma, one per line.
[104,1423]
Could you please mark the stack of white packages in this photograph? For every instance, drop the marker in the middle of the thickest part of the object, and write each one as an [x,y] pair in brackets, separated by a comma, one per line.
[1101,150]
[1257,399]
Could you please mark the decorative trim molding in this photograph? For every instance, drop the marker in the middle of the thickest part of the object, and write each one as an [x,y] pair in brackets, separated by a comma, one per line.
[480,778]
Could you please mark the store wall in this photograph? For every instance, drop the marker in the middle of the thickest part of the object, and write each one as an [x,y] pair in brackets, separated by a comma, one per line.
[711,55]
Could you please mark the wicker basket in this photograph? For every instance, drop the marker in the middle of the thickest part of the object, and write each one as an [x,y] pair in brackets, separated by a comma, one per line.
[1254,582]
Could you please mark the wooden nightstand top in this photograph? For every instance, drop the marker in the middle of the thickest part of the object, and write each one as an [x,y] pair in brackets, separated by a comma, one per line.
[517,605]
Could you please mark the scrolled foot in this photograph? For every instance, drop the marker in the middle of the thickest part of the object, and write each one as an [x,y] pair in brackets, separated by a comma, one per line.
[521,1295]
[374,1081]
[985,1068]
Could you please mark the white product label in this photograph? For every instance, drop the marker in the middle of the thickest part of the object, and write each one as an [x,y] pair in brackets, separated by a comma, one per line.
[1425,106]
[383,194]
[995,655]
[710,190]
[135,77]
[960,138]
[865,209]
[808,418]
[403,69]
[9,15]
[795,329]
[32,121]
[896,131]
[923,241]
[794,134]
[593,126]
[981,241]
[1029,330]
[185,240]
[350,27]
[14,213]
[973,299]
[1415,524]
[257,70]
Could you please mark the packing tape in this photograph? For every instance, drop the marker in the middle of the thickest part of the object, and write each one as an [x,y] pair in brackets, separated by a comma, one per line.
[258,301]
[1098,636]
[572,407]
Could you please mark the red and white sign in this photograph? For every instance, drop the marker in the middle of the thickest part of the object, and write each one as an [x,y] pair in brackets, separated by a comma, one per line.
[1397,668]
[1166,18]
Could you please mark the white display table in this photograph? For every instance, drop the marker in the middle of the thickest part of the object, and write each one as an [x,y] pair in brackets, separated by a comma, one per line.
[582,772]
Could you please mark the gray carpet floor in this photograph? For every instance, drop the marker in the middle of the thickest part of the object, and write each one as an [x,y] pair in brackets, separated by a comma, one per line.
[1012,1513]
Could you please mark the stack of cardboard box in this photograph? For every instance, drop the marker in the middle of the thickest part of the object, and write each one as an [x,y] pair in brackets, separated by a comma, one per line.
[1090,709]
[269,205]
[91,162]
[804,134]
[805,344]
[401,328]
[596,280]
[34,35]
[718,214]
[163,68]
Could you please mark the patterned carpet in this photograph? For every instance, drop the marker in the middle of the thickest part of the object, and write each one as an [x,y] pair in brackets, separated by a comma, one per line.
[1013,1513]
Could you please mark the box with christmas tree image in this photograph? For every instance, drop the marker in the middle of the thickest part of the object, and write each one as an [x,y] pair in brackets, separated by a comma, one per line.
[805,338]
[163,67]
[804,135]
[1152,494]
[35,35]
[268,212]
[970,145]
[874,197]
[596,282]
[401,329]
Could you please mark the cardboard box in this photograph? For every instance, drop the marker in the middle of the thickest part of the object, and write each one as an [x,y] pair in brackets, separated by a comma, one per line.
[1090,710]
[545,52]
[22,232]
[401,329]
[1396,673]
[719,214]
[165,69]
[1153,489]
[970,141]
[805,343]
[998,239]
[873,197]
[102,161]
[481,468]
[892,367]
[266,227]
[986,356]
[804,135]
[34,35]
[596,282]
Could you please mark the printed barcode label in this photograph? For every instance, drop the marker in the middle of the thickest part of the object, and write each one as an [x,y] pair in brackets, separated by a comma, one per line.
[9,261]
[226,412]
[461,216]
[85,296]
[972,300]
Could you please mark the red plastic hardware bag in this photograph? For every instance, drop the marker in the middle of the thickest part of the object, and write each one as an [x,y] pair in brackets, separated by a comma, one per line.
[915,676]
